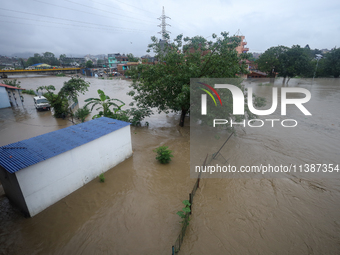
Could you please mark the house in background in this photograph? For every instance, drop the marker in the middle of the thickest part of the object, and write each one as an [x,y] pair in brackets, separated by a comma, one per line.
[254,72]
[241,49]
[122,68]
[9,95]
[117,58]
[37,172]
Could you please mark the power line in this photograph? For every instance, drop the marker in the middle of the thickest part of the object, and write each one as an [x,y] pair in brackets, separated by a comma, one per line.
[122,9]
[65,19]
[125,4]
[103,10]
[73,25]
[82,11]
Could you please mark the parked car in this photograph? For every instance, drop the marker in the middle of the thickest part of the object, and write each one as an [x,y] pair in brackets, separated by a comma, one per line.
[30,68]
[41,103]
[7,68]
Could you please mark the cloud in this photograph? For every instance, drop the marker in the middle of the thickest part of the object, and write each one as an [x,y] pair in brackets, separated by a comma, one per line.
[103,26]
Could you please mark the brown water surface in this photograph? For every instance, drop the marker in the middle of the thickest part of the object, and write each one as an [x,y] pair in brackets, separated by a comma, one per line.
[134,210]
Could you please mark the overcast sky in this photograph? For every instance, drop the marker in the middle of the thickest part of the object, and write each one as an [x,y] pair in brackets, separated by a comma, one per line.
[74,27]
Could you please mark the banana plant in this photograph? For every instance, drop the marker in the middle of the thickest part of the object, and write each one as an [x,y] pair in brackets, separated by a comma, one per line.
[104,103]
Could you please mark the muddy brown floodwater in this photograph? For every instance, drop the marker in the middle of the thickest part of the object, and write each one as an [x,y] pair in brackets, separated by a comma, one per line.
[134,210]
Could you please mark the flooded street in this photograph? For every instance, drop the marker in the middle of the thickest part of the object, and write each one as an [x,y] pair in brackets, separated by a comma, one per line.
[134,210]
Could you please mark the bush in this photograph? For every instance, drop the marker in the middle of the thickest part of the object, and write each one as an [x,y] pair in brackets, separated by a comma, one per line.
[82,113]
[101,178]
[163,154]
[137,115]
[184,212]
[29,91]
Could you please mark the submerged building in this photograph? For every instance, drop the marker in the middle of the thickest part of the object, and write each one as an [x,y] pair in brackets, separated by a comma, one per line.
[37,172]
[9,95]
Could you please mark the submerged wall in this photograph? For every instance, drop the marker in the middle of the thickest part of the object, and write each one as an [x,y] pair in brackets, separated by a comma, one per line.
[4,101]
[47,182]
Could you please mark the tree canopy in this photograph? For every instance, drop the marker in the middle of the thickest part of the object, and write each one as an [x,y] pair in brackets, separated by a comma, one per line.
[47,58]
[296,61]
[89,64]
[332,63]
[69,92]
[132,58]
[166,84]
[269,61]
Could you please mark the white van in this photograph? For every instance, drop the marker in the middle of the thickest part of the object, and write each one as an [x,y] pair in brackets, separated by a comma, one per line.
[41,103]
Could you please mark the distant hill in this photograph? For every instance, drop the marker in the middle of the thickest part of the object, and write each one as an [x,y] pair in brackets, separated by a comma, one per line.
[22,55]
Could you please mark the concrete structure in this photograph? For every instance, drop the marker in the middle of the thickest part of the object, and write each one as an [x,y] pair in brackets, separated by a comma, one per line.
[9,95]
[241,49]
[51,71]
[38,172]
[122,68]
[117,58]
[256,74]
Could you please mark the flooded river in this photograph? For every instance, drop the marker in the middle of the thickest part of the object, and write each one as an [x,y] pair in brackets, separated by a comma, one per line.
[134,211]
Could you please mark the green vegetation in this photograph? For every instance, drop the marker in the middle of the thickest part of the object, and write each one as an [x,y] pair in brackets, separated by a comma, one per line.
[29,92]
[185,211]
[89,64]
[14,83]
[60,74]
[131,58]
[166,85]
[82,113]
[163,154]
[46,58]
[136,115]
[299,62]
[101,178]
[330,64]
[68,93]
[112,108]
[104,102]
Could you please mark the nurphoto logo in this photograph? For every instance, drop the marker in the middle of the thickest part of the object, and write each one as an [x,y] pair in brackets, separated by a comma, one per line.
[239,102]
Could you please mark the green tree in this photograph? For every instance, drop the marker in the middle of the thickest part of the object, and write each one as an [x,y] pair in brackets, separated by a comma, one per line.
[37,58]
[269,62]
[131,58]
[89,64]
[68,93]
[48,55]
[166,85]
[49,58]
[295,62]
[332,63]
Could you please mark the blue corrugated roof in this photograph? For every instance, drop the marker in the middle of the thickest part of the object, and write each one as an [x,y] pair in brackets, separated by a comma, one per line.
[19,155]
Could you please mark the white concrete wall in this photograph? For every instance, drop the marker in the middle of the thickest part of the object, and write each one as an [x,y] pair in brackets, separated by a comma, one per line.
[4,101]
[49,181]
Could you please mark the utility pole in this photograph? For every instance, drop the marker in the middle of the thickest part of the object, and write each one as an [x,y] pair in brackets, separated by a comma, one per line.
[318,57]
[163,25]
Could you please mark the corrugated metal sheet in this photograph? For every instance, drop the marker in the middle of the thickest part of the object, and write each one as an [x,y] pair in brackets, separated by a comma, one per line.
[9,86]
[16,156]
